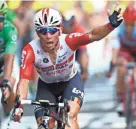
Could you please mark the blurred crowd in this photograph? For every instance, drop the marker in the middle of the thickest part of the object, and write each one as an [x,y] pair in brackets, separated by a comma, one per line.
[77,18]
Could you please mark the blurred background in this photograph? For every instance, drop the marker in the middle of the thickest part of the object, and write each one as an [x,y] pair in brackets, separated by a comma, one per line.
[101,106]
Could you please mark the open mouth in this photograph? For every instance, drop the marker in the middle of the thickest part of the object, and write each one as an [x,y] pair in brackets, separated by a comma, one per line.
[49,42]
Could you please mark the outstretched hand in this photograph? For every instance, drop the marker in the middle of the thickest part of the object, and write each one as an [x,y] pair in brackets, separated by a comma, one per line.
[116,16]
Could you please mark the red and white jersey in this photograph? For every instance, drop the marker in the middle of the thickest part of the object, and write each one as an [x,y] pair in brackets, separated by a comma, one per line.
[64,68]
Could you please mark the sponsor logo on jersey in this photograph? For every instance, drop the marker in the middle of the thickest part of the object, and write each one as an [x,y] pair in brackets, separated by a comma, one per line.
[63,54]
[61,47]
[57,72]
[14,37]
[77,91]
[23,59]
[75,35]
[39,62]
[45,60]
[39,52]
[52,68]
[61,59]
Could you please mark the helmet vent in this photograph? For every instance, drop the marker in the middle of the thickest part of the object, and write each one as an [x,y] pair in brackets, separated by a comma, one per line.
[55,22]
[51,19]
[40,21]
[2,6]
[45,18]
[37,24]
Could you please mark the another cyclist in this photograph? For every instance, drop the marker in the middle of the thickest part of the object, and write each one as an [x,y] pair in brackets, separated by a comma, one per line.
[127,51]
[53,55]
[8,37]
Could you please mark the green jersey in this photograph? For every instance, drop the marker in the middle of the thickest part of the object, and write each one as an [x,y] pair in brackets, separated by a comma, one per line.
[8,39]
[10,15]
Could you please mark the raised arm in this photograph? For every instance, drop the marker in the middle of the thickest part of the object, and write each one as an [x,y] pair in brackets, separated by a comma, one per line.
[100,32]
[75,40]
[115,20]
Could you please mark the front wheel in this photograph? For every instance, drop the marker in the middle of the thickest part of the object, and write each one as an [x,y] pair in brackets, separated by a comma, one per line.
[63,115]
[63,119]
[128,105]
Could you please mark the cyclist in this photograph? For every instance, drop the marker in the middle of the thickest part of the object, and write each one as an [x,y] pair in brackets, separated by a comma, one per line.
[53,56]
[126,50]
[8,37]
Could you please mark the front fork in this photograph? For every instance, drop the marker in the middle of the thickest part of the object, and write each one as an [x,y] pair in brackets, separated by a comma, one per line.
[134,93]
[131,82]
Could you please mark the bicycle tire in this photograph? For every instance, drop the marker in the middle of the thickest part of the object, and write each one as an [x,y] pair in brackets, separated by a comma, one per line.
[63,118]
[60,124]
[128,105]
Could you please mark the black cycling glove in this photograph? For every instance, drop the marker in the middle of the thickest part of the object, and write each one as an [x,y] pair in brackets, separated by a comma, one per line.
[113,19]
[6,84]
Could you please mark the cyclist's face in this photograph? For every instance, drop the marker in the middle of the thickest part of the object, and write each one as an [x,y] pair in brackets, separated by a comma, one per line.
[2,18]
[129,27]
[49,38]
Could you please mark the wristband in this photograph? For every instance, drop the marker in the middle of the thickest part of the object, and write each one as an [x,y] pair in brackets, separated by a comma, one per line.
[6,84]
[21,106]
[109,26]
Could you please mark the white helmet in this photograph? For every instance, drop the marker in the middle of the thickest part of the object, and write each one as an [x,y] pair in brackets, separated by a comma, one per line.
[3,7]
[47,17]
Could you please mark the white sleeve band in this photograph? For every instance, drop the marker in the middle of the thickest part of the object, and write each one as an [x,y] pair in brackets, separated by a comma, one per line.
[26,101]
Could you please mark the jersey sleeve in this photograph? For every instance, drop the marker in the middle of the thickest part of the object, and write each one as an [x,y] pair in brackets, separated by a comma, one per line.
[27,60]
[81,29]
[11,39]
[76,40]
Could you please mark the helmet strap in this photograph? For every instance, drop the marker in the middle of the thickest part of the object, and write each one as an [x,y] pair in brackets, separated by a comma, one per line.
[60,31]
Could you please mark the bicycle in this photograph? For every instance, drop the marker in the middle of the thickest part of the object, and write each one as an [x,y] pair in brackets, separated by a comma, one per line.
[130,100]
[61,116]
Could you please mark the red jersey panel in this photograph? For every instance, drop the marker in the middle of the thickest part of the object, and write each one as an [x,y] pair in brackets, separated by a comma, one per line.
[76,40]
[27,59]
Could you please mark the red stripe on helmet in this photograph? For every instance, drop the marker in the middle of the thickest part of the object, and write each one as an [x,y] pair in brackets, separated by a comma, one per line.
[47,11]
[43,10]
